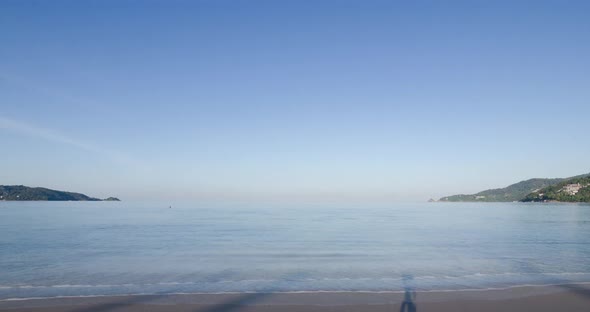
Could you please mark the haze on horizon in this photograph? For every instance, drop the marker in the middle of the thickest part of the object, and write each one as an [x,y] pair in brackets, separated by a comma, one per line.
[369,100]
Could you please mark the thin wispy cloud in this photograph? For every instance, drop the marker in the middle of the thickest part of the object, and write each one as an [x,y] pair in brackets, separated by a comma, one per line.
[35,131]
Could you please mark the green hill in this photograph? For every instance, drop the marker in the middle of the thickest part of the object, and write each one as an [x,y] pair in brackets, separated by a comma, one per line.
[576,189]
[111,199]
[533,190]
[514,192]
[22,193]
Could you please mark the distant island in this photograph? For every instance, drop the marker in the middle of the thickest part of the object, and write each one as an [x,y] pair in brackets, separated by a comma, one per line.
[574,189]
[24,193]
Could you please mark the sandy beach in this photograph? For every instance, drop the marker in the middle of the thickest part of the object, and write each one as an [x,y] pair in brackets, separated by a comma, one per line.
[571,297]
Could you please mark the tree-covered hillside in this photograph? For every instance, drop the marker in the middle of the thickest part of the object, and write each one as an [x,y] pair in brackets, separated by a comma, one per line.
[576,189]
[514,192]
[20,192]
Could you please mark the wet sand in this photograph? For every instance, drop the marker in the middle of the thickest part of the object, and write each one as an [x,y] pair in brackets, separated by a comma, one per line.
[572,297]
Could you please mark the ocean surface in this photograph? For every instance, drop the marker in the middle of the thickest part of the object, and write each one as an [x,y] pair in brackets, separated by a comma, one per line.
[50,249]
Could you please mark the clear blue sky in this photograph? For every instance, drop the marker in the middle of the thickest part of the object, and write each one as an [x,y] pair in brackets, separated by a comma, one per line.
[339,100]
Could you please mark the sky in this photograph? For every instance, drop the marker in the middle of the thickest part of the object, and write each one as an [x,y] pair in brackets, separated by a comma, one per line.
[292,100]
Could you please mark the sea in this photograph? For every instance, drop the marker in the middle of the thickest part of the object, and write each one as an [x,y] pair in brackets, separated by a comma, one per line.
[61,249]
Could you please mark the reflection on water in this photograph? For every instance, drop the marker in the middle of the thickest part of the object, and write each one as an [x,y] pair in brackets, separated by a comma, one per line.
[109,248]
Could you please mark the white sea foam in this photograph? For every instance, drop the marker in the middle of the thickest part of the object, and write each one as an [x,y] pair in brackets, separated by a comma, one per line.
[304,280]
[308,292]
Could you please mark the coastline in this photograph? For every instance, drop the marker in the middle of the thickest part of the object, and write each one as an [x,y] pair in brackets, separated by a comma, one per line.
[564,297]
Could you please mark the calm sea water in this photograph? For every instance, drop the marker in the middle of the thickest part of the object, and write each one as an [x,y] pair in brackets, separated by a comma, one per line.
[100,248]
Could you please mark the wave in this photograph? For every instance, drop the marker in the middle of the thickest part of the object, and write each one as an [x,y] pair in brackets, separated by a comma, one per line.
[307,292]
[326,279]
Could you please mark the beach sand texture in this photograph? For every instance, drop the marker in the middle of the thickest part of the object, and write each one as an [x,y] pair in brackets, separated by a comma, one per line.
[573,297]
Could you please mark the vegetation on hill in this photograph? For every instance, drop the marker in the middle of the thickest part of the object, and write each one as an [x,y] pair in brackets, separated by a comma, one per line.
[514,192]
[575,189]
[112,199]
[20,192]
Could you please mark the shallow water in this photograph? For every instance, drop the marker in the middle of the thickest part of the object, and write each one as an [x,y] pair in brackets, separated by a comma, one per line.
[102,248]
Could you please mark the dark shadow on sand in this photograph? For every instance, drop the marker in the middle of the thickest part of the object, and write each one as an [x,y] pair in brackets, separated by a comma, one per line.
[408,305]
[232,304]
[577,289]
[235,304]
[228,306]
[127,302]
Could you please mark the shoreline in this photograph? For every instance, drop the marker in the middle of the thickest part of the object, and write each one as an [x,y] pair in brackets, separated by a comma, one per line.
[401,291]
[563,297]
